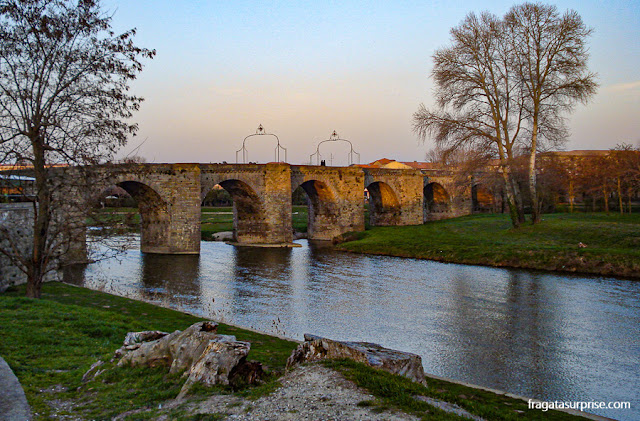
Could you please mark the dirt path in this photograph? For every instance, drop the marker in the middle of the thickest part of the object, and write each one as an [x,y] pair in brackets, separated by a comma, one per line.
[311,392]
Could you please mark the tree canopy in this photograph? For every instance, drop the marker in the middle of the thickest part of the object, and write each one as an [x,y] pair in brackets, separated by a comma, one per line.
[64,81]
[64,97]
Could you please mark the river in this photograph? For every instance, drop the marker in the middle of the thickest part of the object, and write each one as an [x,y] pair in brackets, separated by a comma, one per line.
[548,336]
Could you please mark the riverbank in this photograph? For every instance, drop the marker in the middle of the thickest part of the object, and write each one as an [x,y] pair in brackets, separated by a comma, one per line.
[50,343]
[594,243]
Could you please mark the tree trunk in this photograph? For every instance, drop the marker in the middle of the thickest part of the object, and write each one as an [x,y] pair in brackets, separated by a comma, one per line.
[511,199]
[605,195]
[571,196]
[620,197]
[517,195]
[533,193]
[39,258]
[518,200]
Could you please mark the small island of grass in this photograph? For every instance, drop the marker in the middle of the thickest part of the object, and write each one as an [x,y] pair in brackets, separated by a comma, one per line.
[595,243]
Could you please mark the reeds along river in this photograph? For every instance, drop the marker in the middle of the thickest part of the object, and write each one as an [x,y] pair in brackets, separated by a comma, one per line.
[548,336]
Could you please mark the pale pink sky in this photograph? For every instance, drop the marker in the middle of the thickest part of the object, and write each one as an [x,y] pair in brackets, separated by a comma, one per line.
[304,69]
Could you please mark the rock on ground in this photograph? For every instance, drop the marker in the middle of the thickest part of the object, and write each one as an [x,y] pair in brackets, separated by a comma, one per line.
[316,348]
[223,236]
[13,402]
[199,352]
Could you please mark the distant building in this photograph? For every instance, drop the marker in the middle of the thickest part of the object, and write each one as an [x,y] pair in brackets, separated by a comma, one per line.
[17,188]
[399,165]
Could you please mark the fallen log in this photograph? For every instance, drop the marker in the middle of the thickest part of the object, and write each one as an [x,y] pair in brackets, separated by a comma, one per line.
[316,348]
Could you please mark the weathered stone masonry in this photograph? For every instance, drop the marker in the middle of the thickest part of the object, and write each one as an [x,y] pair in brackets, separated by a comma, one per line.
[169,198]
[396,196]
[336,203]
[17,220]
[261,199]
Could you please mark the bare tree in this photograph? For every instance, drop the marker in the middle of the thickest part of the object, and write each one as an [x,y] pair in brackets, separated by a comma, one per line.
[64,81]
[508,82]
[465,156]
[479,104]
[550,60]
[626,168]
[135,159]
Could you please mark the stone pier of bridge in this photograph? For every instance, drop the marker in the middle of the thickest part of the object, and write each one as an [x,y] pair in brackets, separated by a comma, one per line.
[336,201]
[261,200]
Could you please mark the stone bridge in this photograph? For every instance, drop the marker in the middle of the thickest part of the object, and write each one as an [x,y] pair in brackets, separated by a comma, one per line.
[169,198]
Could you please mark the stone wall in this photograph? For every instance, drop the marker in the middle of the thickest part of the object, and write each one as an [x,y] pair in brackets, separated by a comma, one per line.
[447,194]
[17,219]
[261,199]
[396,196]
[168,197]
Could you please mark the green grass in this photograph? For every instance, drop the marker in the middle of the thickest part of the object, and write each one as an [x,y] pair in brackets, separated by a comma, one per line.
[50,343]
[612,242]
[213,220]
[300,218]
[394,391]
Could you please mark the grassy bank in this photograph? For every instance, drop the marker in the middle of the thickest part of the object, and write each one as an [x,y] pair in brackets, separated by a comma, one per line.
[50,343]
[610,243]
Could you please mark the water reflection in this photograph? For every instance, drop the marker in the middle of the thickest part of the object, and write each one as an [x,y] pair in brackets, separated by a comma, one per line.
[513,318]
[534,334]
[179,275]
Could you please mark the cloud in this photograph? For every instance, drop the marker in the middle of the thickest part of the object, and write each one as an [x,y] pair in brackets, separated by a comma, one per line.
[630,88]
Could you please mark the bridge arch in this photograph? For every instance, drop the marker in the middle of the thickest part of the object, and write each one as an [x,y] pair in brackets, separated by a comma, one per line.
[384,206]
[323,210]
[482,198]
[154,213]
[249,218]
[437,202]
[262,198]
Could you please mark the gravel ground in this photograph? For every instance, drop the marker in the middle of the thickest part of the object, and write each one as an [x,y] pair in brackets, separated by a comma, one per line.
[311,392]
